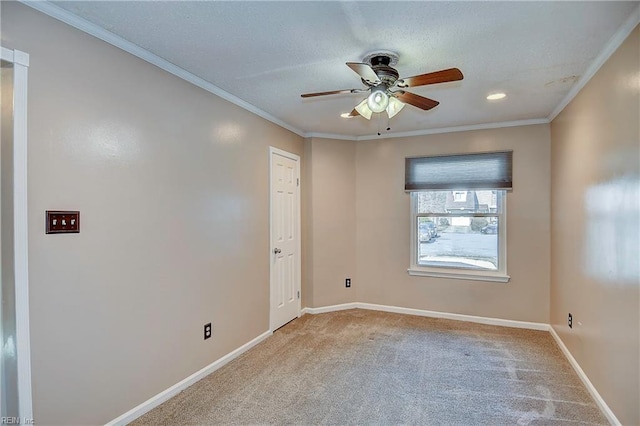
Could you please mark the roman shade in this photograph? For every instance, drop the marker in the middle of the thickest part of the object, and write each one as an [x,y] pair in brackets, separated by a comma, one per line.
[489,170]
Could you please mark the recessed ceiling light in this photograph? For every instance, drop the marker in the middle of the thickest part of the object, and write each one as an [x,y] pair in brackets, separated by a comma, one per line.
[496,96]
[346,115]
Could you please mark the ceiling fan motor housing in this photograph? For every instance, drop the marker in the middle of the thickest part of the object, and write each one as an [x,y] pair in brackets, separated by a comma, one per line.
[380,64]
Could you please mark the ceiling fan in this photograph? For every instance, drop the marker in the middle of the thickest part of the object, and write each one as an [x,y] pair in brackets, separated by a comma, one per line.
[387,93]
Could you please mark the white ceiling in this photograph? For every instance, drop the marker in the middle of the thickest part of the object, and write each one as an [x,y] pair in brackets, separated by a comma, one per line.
[267,53]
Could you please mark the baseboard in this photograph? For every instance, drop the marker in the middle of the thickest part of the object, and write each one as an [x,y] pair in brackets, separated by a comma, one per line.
[332,308]
[163,396]
[431,314]
[592,390]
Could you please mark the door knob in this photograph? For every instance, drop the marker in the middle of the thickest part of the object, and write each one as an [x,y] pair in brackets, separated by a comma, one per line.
[277,250]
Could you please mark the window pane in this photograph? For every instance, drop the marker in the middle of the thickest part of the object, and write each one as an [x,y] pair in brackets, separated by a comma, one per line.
[457,202]
[458,242]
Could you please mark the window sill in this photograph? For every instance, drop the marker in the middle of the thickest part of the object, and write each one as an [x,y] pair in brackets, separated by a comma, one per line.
[460,275]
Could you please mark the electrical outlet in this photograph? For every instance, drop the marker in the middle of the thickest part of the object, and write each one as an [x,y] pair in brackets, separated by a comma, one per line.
[207,331]
[570,320]
[347,282]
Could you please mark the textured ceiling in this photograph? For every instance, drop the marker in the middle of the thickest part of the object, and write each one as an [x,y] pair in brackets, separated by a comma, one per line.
[268,53]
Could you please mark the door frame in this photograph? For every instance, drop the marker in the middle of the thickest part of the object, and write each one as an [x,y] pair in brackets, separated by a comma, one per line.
[298,257]
[20,62]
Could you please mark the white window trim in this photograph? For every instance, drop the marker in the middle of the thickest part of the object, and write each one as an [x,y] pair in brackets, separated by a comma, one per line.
[459,273]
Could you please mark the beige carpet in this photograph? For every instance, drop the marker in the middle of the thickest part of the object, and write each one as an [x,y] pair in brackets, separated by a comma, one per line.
[366,367]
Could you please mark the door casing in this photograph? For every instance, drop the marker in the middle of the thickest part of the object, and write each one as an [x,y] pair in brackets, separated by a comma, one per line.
[20,62]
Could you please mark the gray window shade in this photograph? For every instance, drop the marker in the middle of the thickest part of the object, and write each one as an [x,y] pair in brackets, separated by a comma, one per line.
[491,170]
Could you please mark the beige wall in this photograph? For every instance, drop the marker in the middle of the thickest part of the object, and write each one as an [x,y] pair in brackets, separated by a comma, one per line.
[595,240]
[383,227]
[333,220]
[172,186]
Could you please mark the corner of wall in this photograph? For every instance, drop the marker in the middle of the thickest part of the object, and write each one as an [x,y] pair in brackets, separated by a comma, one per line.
[331,221]
[307,224]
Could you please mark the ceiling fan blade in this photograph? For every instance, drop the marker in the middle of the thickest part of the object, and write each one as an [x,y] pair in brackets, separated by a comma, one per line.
[354,113]
[416,100]
[333,92]
[365,71]
[451,74]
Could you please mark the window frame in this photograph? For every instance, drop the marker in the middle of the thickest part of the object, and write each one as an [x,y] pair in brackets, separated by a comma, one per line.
[500,275]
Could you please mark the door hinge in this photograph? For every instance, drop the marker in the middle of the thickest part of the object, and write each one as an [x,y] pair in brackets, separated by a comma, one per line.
[298,182]
[298,294]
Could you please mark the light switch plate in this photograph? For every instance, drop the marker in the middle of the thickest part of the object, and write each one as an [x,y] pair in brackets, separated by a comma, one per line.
[62,222]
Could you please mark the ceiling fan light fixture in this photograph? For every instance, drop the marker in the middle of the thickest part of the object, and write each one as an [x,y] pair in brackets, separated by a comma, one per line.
[394,106]
[364,110]
[378,100]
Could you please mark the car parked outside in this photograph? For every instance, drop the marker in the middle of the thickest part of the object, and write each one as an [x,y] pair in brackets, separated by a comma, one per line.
[427,232]
[433,229]
[425,236]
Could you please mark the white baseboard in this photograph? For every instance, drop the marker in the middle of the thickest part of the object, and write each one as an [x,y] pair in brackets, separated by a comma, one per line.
[456,317]
[431,314]
[592,390]
[332,308]
[163,396]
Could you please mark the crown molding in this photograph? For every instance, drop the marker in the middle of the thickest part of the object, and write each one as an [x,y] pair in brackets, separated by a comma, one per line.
[90,28]
[331,136]
[612,45]
[455,129]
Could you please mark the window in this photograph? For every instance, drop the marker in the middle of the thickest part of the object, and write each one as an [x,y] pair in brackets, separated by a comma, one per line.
[453,240]
[459,232]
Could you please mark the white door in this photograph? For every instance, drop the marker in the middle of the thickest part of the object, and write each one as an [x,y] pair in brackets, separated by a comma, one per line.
[285,237]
